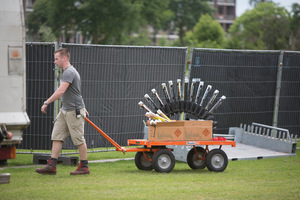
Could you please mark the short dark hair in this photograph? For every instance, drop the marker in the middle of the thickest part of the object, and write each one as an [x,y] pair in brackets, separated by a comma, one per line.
[63,52]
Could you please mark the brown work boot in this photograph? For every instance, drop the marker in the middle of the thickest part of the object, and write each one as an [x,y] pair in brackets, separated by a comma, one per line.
[81,170]
[50,168]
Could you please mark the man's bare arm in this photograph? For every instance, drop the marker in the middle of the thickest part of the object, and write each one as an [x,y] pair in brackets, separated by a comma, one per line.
[56,95]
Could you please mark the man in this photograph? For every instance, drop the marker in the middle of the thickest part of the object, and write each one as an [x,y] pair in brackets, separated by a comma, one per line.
[70,119]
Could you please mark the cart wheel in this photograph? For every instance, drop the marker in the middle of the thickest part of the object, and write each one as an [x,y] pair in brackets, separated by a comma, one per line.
[163,161]
[192,158]
[216,160]
[141,162]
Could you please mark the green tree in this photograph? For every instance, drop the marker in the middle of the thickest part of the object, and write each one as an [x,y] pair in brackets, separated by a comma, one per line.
[264,27]
[102,21]
[45,34]
[59,16]
[110,22]
[208,33]
[37,19]
[62,17]
[114,21]
[186,14]
[255,2]
[295,27]
[140,39]
[156,13]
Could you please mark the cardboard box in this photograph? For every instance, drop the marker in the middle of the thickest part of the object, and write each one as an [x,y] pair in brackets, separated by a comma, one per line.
[181,131]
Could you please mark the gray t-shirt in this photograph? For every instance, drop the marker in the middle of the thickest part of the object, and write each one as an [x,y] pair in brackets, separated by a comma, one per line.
[72,98]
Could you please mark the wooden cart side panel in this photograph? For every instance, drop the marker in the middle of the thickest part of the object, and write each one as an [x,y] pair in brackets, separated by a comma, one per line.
[181,130]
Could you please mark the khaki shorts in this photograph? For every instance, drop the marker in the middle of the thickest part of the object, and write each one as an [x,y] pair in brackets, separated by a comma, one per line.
[66,123]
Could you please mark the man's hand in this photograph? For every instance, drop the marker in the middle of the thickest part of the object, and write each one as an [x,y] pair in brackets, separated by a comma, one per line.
[44,108]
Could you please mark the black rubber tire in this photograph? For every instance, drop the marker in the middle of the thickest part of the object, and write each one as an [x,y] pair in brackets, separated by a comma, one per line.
[141,162]
[216,160]
[192,159]
[3,162]
[163,161]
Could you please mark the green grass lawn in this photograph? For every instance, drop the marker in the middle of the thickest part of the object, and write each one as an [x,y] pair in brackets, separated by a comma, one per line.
[276,178]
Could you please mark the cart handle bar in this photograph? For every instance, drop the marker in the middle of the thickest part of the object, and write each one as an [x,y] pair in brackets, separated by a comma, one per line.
[118,147]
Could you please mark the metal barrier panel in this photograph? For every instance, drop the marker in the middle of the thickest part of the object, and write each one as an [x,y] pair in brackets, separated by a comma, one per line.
[246,78]
[40,80]
[115,79]
[289,103]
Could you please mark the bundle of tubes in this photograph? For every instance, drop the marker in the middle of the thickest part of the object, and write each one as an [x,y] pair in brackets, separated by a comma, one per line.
[188,101]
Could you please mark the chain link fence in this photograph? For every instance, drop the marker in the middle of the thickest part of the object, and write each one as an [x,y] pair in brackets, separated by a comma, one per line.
[116,78]
[260,86]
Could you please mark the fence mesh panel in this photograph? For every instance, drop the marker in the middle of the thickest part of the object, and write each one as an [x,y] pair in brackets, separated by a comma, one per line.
[116,78]
[289,103]
[40,80]
[246,78]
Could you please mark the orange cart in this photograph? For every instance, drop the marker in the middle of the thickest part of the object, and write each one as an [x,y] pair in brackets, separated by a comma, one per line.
[158,156]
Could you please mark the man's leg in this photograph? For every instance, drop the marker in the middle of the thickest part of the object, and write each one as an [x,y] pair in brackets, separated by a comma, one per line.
[50,168]
[82,151]
[59,133]
[83,167]
[56,148]
[77,135]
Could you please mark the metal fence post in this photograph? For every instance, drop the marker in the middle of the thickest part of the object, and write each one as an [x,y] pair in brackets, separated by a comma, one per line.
[187,75]
[56,104]
[278,87]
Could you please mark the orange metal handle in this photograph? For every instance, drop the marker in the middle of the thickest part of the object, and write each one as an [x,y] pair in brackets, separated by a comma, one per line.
[118,147]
